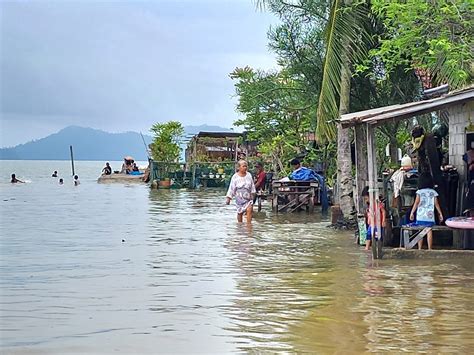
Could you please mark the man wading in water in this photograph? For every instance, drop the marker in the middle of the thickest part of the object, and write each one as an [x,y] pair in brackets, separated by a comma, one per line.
[242,188]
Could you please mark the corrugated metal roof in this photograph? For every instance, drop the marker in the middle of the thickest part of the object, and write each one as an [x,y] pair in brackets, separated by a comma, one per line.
[219,134]
[411,109]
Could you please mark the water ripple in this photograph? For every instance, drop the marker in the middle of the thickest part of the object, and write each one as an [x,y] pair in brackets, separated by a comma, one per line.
[108,268]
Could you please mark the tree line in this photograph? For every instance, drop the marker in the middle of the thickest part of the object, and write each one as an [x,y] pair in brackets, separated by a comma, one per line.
[344,56]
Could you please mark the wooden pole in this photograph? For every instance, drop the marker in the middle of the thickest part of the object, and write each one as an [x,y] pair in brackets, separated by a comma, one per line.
[194,160]
[373,193]
[72,160]
[361,165]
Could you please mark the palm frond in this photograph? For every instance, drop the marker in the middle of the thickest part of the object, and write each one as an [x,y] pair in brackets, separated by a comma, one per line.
[262,5]
[346,42]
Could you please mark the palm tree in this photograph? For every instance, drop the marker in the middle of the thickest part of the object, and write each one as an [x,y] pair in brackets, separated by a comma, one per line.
[345,37]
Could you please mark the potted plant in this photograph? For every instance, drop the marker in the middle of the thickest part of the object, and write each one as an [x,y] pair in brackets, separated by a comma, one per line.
[165,147]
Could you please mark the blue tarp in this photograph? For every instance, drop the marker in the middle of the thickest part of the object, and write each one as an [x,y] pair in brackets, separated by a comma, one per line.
[305,174]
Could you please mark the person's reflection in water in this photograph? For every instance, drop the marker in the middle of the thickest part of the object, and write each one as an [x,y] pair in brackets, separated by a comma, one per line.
[247,229]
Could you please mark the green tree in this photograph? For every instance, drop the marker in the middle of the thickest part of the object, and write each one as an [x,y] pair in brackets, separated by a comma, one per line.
[276,113]
[433,37]
[346,43]
[166,138]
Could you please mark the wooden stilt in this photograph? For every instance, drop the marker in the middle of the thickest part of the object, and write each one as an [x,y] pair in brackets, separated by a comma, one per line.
[373,192]
[361,165]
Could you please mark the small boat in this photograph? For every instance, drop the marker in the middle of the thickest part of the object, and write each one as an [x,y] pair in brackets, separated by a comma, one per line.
[122,177]
[126,174]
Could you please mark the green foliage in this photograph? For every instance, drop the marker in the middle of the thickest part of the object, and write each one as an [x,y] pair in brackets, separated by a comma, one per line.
[434,37]
[347,42]
[166,136]
[277,112]
[318,38]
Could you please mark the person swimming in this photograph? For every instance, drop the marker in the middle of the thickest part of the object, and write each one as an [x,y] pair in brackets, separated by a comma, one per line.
[14,180]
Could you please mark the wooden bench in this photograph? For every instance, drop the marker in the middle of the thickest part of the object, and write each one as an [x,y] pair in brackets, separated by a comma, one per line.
[419,233]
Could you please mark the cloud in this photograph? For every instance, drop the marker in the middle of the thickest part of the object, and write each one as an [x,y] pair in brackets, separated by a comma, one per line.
[125,65]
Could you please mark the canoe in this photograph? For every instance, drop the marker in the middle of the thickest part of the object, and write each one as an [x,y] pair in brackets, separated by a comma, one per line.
[460,222]
[121,178]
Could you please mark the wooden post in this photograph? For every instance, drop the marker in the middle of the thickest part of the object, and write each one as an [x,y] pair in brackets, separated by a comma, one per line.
[458,239]
[373,191]
[361,165]
[72,160]
[193,178]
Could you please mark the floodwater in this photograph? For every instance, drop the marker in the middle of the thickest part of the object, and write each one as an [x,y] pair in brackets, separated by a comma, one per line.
[113,268]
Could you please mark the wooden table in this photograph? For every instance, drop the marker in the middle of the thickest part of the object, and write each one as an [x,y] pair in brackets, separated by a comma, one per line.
[294,195]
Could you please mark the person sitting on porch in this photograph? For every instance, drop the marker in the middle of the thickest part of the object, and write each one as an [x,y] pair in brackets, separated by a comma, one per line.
[425,203]
[370,217]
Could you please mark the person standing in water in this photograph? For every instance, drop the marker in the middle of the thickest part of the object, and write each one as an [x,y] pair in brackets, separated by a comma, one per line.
[14,180]
[55,174]
[242,188]
[61,181]
[76,180]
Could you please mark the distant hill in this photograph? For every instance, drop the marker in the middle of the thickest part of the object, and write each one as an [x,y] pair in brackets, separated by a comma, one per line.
[88,144]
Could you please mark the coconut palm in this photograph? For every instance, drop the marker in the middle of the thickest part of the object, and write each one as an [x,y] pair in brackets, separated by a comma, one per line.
[345,43]
[346,39]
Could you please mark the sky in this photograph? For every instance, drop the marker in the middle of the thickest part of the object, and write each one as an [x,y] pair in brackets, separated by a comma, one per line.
[124,65]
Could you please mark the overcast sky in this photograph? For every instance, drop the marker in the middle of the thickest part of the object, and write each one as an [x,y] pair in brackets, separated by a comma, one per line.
[124,65]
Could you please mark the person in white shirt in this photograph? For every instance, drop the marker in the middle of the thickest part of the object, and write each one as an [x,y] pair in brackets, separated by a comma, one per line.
[242,188]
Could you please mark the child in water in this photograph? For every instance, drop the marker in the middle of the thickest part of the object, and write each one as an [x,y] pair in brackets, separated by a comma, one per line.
[425,203]
[371,213]
[14,180]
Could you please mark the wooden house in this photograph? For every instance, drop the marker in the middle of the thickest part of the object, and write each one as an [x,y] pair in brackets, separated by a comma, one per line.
[457,105]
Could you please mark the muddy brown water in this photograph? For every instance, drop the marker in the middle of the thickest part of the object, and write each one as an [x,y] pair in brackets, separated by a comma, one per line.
[107,268]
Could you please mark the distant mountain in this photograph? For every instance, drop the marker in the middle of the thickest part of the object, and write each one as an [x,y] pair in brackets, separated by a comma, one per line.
[88,144]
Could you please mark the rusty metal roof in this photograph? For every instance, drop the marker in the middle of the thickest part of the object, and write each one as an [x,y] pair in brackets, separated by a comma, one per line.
[398,112]
[219,134]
